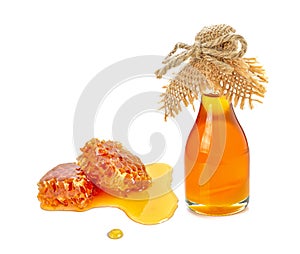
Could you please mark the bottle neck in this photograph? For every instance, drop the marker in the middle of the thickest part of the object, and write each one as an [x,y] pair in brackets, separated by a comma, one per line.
[216,110]
[215,103]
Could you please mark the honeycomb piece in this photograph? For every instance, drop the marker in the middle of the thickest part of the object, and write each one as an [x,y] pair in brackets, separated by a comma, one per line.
[66,185]
[112,168]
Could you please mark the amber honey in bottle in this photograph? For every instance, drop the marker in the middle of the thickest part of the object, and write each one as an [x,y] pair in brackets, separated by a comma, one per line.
[216,160]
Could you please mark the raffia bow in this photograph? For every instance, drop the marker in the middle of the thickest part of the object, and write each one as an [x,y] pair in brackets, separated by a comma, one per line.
[216,62]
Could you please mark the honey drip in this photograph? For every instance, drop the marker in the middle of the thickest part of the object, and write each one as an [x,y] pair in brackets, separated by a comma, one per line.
[217,160]
[151,206]
[115,233]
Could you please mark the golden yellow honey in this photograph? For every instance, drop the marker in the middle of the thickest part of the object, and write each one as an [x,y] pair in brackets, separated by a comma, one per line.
[115,233]
[216,160]
[151,206]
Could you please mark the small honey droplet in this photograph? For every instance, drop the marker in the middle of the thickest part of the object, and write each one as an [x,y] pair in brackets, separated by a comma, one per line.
[115,233]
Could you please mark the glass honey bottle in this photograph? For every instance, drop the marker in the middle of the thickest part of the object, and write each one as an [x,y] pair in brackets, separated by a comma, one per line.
[216,160]
[216,152]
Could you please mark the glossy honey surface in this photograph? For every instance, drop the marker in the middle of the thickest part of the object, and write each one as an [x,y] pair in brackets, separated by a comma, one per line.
[151,206]
[216,160]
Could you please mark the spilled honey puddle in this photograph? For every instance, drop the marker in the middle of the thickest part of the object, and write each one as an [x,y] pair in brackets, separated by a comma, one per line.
[151,206]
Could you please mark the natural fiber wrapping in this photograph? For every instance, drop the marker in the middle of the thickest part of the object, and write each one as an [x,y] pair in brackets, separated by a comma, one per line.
[215,62]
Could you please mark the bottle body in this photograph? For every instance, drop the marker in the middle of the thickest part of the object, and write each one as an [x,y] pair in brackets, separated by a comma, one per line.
[216,160]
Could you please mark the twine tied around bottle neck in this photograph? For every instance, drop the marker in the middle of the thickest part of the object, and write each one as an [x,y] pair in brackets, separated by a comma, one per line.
[216,42]
[215,61]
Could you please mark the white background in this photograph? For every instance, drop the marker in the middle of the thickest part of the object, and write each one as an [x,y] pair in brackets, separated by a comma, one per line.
[50,50]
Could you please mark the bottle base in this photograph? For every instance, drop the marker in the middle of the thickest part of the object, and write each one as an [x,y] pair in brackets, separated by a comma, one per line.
[220,210]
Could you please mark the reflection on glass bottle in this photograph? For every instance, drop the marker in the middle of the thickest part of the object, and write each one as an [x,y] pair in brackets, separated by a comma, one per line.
[216,160]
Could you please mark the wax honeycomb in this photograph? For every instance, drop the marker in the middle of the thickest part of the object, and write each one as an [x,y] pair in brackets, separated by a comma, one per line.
[112,168]
[66,185]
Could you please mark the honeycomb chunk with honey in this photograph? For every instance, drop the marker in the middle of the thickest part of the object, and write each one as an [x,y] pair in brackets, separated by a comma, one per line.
[112,168]
[65,185]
